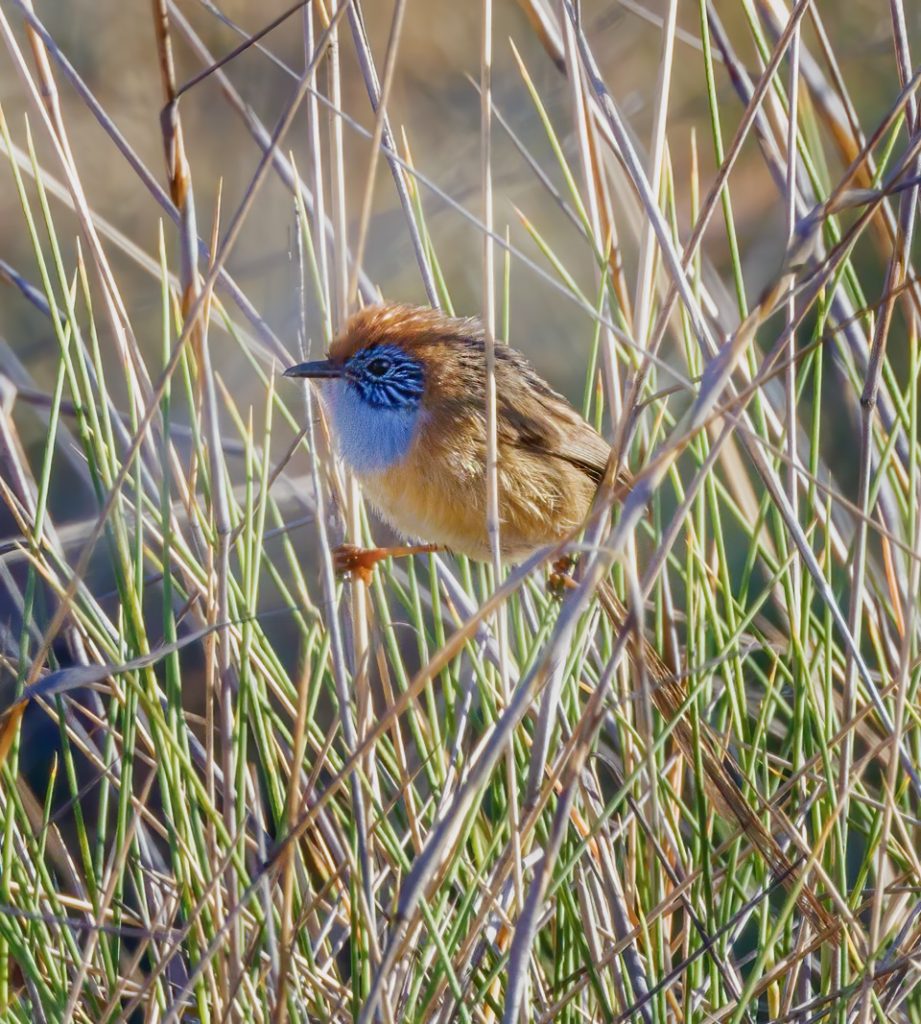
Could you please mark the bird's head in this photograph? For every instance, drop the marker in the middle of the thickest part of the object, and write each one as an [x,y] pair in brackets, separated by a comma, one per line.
[389,363]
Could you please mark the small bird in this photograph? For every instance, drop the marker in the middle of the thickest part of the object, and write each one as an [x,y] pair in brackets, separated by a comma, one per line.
[405,391]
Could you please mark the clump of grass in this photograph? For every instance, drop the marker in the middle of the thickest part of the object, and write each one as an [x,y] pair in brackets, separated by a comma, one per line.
[235,787]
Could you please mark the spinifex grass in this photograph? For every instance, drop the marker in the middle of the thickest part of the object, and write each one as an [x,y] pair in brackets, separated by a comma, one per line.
[289,797]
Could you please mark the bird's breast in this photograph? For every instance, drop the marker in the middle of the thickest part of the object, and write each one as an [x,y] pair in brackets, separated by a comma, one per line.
[425,498]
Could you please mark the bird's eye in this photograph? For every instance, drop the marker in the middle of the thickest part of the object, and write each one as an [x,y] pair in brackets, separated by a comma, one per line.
[379,366]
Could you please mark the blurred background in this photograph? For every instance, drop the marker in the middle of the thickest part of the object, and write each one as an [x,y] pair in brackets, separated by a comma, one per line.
[112,47]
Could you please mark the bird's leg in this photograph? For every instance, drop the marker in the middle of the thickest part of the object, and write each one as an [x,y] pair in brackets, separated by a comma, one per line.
[359,563]
[560,579]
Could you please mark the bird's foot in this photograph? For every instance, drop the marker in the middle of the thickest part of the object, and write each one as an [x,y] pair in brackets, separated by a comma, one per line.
[560,579]
[358,563]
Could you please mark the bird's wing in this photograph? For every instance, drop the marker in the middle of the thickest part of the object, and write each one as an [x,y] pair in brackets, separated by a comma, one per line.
[561,433]
[535,417]
[584,447]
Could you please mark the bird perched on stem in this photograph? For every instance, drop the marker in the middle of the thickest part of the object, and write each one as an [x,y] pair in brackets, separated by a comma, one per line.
[405,392]
[404,388]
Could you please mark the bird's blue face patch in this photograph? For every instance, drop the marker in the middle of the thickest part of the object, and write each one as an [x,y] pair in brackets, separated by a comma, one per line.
[375,407]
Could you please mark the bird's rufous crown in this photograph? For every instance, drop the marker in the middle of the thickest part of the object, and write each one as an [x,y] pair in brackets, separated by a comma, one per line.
[410,327]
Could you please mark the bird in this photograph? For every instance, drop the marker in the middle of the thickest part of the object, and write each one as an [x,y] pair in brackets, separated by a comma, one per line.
[404,388]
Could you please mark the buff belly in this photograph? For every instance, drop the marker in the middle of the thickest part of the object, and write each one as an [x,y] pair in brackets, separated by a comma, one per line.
[435,507]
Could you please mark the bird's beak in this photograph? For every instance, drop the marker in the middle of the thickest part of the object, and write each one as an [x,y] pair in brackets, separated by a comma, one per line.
[318,368]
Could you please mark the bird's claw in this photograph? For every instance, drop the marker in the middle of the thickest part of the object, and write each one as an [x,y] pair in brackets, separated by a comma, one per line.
[357,563]
[560,579]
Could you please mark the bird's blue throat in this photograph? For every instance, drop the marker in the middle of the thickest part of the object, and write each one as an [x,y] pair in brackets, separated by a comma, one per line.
[375,408]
